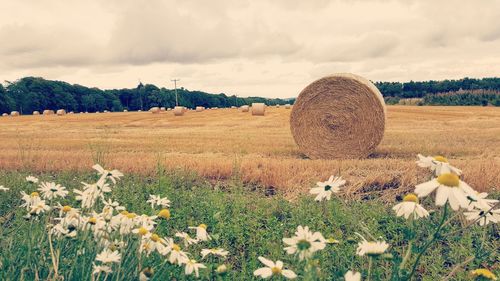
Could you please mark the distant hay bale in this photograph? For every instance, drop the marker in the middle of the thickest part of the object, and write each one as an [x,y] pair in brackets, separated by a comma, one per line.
[169,109]
[338,116]
[105,111]
[48,112]
[71,112]
[258,108]
[288,106]
[61,112]
[233,106]
[179,110]
[244,108]
[14,113]
[163,109]
[5,114]
[125,110]
[36,112]
[155,110]
[277,106]
[199,108]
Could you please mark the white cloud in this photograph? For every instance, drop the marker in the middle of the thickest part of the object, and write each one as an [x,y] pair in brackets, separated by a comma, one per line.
[258,47]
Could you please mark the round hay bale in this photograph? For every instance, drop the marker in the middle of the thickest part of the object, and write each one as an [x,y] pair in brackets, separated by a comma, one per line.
[36,112]
[48,112]
[105,111]
[277,106]
[258,108]
[244,108]
[155,110]
[61,112]
[338,116]
[71,112]
[179,110]
[14,113]
[5,114]
[199,108]
[169,109]
[163,109]
[125,110]
[288,106]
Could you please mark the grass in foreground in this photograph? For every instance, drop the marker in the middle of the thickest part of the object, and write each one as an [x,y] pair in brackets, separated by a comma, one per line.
[246,223]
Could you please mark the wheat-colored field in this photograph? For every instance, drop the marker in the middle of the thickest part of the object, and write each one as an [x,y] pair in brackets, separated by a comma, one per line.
[227,144]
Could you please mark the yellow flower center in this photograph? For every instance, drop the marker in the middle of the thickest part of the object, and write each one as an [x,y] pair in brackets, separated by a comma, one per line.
[165,213]
[34,194]
[176,247]
[142,231]
[411,198]
[92,220]
[449,179]
[155,237]
[276,270]
[483,272]
[66,208]
[440,158]
[131,215]
[123,213]
[204,226]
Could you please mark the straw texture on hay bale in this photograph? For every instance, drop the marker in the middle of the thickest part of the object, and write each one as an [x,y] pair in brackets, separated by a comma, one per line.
[258,108]
[338,116]
[288,106]
[179,110]
[155,110]
[61,112]
[244,108]
[199,108]
[36,112]
[48,112]
[14,113]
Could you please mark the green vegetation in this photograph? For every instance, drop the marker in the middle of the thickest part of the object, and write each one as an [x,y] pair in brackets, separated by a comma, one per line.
[245,222]
[30,93]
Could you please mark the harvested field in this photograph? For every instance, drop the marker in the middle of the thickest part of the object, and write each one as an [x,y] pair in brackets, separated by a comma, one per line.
[228,144]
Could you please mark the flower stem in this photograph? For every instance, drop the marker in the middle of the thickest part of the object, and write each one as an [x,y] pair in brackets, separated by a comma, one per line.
[426,246]
[370,262]
[407,255]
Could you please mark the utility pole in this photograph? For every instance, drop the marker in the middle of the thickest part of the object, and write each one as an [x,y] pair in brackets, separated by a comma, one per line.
[175,85]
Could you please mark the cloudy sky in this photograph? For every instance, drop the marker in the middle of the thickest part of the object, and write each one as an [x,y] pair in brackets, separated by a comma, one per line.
[247,47]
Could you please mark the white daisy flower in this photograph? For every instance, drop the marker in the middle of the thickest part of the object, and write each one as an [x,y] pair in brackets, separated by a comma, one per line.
[193,266]
[51,190]
[325,189]
[156,200]
[176,254]
[186,238]
[31,179]
[449,189]
[371,248]
[28,199]
[214,251]
[305,243]
[492,216]
[352,276]
[410,207]
[60,230]
[3,188]
[38,206]
[438,164]
[113,175]
[101,269]
[480,201]
[201,232]
[273,268]
[108,256]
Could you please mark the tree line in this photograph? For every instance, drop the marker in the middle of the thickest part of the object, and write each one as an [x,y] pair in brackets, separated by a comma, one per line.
[33,93]
[37,94]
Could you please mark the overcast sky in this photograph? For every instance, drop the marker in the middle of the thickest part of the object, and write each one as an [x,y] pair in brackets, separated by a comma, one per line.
[247,47]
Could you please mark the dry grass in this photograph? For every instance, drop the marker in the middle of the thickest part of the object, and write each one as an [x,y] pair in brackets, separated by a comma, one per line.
[226,143]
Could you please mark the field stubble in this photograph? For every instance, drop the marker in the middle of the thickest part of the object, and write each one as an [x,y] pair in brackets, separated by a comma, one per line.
[258,150]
